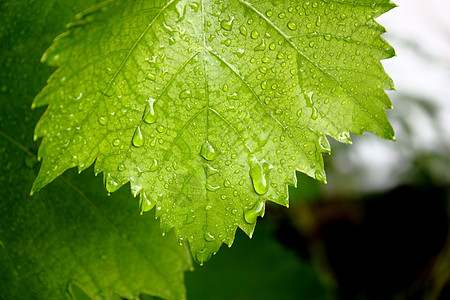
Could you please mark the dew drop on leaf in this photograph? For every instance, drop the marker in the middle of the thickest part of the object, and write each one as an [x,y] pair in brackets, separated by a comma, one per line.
[251,214]
[291,25]
[320,176]
[209,237]
[254,34]
[102,121]
[212,188]
[154,165]
[185,94]
[259,173]
[121,167]
[150,116]
[145,204]
[138,138]
[324,145]
[208,151]
[243,30]
[202,255]
[227,24]
[116,142]
[210,170]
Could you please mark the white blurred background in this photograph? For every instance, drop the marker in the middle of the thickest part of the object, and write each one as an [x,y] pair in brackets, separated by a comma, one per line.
[420,33]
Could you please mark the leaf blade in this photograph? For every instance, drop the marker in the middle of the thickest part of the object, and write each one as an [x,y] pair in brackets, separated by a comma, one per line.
[208,109]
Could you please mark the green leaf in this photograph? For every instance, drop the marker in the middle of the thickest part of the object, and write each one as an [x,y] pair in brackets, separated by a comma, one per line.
[209,107]
[258,269]
[70,239]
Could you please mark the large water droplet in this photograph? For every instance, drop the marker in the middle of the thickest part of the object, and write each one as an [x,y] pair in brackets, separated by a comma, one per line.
[243,30]
[145,204]
[138,138]
[261,46]
[110,184]
[150,116]
[254,34]
[291,25]
[154,166]
[202,256]
[227,24]
[324,144]
[209,170]
[259,173]
[208,151]
[251,214]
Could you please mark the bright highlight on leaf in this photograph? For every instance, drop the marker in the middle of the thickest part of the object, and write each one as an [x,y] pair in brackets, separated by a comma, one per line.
[209,107]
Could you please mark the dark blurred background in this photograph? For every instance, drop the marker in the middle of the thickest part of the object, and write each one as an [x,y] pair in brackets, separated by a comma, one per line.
[380,228]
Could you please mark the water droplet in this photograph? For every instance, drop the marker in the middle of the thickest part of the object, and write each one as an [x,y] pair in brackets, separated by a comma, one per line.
[208,207]
[110,184]
[102,121]
[314,113]
[154,166]
[318,21]
[138,138]
[250,215]
[225,87]
[190,217]
[211,187]
[227,24]
[261,46]
[259,173]
[202,256]
[160,128]
[209,237]
[185,94]
[262,139]
[145,204]
[150,116]
[344,137]
[254,34]
[243,30]
[291,25]
[121,167]
[116,142]
[264,84]
[208,151]
[324,144]
[320,176]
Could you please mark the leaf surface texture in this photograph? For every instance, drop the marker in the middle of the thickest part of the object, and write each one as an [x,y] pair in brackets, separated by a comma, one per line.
[69,237]
[209,107]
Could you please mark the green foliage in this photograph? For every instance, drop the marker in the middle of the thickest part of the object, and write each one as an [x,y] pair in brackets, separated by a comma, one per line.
[208,108]
[260,268]
[69,239]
